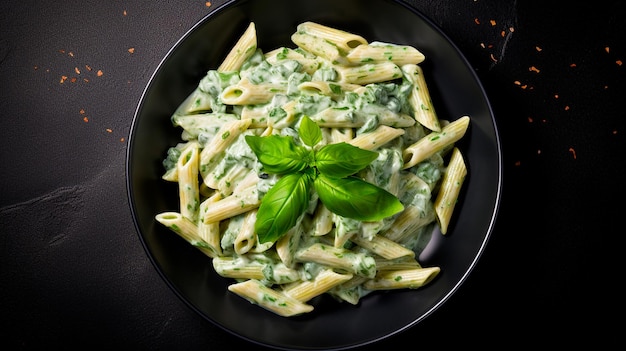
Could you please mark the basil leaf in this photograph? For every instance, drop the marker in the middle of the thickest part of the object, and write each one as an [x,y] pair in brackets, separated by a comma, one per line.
[355,198]
[282,205]
[342,159]
[278,154]
[310,132]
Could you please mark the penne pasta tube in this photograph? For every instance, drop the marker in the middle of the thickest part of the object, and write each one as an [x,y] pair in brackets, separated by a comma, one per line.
[383,247]
[230,206]
[246,239]
[238,268]
[407,223]
[434,142]
[402,279]
[186,229]
[188,186]
[369,73]
[419,99]
[448,194]
[332,89]
[383,52]
[246,93]
[377,138]
[310,63]
[343,259]
[323,282]
[255,292]
[287,245]
[207,123]
[223,138]
[210,232]
[343,40]
[243,49]
[402,263]
[339,117]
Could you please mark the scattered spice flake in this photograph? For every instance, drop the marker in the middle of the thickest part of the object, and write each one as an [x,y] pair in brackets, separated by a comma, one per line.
[493,22]
[88,67]
[124,13]
[502,34]
[517,82]
[533,69]
[493,58]
[476,20]
[85,80]
[207,4]
[538,48]
[35,67]
[62,51]
[530,120]
[614,132]
[73,80]
[572,65]
[538,151]
[63,79]
[511,29]
[76,70]
[131,50]
[619,62]
[85,119]
[482,45]
[122,140]
[109,130]
[606,48]
[566,108]
[571,149]
[556,96]
[518,163]
[99,74]
[82,111]
[71,54]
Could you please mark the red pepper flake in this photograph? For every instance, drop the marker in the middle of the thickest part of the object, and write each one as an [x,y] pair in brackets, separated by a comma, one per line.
[476,20]
[82,111]
[572,65]
[530,120]
[99,74]
[493,22]
[63,79]
[619,62]
[566,108]
[88,67]
[70,54]
[538,151]
[109,130]
[571,149]
[503,33]
[606,48]
[538,48]
[482,45]
[122,140]
[76,70]
[85,80]
[62,51]
[533,69]
[493,58]
[73,80]
[556,96]
[518,163]
[517,82]
[85,119]
[511,29]
[207,4]
[131,50]
[124,13]
[614,132]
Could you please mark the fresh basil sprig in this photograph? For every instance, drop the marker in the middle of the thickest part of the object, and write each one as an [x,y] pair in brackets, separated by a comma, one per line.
[328,170]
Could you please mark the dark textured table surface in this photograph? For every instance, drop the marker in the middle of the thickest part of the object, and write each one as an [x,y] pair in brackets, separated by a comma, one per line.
[73,271]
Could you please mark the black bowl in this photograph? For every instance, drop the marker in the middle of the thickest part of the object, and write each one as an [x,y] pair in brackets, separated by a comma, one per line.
[455,90]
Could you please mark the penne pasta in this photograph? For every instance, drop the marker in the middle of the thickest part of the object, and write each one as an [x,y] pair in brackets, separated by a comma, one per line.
[448,194]
[243,49]
[385,52]
[435,142]
[420,100]
[270,299]
[333,87]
